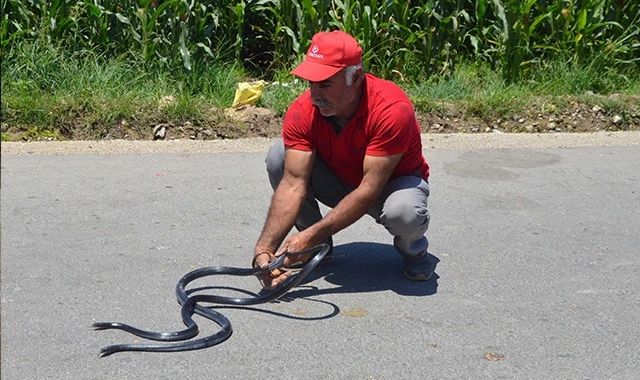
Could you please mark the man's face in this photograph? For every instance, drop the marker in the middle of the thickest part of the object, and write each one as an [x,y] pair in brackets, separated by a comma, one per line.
[333,97]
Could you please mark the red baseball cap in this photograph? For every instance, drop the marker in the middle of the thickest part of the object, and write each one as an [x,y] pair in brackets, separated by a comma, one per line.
[329,53]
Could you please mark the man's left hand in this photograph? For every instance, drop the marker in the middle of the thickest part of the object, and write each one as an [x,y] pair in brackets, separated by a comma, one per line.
[296,242]
[269,279]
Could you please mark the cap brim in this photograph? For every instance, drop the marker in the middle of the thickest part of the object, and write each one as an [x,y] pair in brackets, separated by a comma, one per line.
[315,72]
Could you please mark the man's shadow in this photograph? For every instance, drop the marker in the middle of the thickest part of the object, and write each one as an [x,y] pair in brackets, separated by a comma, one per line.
[366,267]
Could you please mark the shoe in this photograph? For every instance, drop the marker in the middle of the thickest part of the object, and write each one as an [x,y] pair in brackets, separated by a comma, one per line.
[325,260]
[418,268]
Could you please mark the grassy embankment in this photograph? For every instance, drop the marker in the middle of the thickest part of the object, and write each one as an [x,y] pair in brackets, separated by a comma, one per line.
[98,69]
[48,95]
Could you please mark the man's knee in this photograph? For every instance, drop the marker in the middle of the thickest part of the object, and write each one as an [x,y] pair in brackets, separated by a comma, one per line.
[404,215]
[275,163]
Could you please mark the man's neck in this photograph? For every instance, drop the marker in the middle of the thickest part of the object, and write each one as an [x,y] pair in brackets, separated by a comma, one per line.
[337,126]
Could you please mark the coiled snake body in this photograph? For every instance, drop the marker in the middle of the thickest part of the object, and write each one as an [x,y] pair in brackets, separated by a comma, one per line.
[179,340]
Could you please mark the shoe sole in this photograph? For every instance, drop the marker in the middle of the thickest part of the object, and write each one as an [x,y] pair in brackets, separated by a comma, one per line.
[419,277]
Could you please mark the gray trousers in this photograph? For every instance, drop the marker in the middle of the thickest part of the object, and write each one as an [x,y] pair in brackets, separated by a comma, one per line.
[401,209]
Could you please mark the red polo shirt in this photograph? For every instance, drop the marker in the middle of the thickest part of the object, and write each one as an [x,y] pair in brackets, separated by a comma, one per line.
[384,125]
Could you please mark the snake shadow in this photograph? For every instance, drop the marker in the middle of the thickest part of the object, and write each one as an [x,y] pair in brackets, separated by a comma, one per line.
[359,267]
[262,308]
[362,267]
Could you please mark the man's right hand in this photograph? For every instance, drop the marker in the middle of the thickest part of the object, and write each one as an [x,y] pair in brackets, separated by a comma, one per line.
[269,279]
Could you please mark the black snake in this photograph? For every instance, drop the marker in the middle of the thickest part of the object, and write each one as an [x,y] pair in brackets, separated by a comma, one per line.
[180,340]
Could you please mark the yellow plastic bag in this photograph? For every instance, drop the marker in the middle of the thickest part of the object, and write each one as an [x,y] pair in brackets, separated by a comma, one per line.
[248,93]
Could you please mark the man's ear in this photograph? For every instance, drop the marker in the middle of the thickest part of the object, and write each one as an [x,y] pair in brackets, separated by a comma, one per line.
[359,76]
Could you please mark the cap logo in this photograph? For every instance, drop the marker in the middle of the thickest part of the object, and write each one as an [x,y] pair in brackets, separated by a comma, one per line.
[314,52]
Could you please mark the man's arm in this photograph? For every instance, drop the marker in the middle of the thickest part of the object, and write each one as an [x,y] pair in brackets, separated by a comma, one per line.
[377,171]
[287,200]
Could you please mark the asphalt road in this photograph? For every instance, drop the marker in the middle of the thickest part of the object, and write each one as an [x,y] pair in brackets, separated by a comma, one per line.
[538,272]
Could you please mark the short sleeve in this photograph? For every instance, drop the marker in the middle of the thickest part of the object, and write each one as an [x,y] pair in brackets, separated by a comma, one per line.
[296,128]
[392,132]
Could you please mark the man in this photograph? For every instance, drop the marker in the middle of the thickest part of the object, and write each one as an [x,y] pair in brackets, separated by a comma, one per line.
[352,142]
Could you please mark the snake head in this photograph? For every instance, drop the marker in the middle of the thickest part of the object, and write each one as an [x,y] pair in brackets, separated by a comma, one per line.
[105,325]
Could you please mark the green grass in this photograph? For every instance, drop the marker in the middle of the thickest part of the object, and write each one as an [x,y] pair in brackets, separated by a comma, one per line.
[50,94]
[46,90]
[483,92]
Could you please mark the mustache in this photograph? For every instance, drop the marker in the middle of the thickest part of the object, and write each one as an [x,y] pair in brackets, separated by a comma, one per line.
[322,103]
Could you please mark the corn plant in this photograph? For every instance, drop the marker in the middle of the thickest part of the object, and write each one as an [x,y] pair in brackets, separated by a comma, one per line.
[405,39]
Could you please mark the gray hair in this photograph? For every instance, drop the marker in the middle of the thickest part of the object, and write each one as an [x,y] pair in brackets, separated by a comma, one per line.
[349,73]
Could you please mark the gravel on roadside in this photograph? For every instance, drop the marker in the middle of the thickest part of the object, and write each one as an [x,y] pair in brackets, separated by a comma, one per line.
[430,141]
